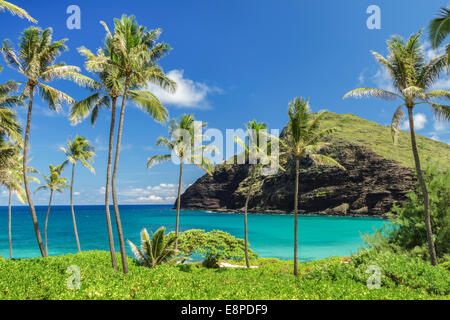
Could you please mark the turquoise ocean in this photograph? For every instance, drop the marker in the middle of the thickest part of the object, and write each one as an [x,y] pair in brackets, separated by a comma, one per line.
[270,235]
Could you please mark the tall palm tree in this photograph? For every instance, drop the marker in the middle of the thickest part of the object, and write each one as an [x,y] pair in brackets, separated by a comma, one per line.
[258,154]
[15,10]
[439,29]
[11,177]
[181,142]
[412,77]
[35,61]
[81,150]
[53,182]
[304,137]
[135,54]
[106,95]
[110,89]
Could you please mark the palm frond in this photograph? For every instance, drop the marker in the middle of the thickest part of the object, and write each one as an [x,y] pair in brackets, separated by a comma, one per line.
[158,159]
[440,111]
[324,160]
[15,10]
[439,27]
[397,119]
[372,92]
[53,97]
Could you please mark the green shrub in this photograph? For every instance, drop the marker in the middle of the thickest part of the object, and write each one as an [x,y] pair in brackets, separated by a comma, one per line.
[212,246]
[407,234]
[46,278]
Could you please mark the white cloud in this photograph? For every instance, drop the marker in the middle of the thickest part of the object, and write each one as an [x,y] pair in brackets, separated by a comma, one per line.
[150,198]
[162,193]
[189,93]
[420,120]
[383,80]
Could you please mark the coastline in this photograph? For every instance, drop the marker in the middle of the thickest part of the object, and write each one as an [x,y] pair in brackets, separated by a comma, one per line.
[282,212]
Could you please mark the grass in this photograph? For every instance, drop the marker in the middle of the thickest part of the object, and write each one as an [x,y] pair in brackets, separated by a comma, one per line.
[45,278]
[378,138]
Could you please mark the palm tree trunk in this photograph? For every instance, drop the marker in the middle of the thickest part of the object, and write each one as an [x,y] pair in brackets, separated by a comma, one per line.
[9,225]
[107,189]
[297,165]
[423,186]
[46,221]
[116,165]
[25,178]
[73,212]
[177,219]
[245,217]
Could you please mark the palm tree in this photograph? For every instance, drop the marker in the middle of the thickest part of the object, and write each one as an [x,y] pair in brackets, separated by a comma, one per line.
[439,29]
[109,90]
[304,137]
[54,182]
[106,95]
[78,150]
[35,62]
[155,251]
[135,54]
[15,10]
[184,147]
[11,177]
[258,152]
[411,77]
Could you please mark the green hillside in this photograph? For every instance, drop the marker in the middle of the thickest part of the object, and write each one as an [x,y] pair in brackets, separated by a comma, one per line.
[378,138]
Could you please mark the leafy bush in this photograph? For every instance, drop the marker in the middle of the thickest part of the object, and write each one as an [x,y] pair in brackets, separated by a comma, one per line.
[406,234]
[212,246]
[396,271]
[46,279]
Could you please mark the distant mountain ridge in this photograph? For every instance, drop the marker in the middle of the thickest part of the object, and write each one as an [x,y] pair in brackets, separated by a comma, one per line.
[377,175]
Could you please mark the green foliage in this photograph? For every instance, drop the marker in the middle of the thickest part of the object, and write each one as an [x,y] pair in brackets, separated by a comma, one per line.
[81,150]
[212,246]
[407,234]
[156,250]
[397,271]
[44,279]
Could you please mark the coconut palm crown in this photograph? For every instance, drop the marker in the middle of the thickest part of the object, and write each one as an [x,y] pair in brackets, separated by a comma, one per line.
[412,78]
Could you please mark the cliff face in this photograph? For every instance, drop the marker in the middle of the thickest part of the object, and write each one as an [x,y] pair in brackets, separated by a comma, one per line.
[368,187]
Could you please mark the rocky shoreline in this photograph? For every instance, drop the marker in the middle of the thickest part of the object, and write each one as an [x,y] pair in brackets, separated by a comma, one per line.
[281,212]
[368,187]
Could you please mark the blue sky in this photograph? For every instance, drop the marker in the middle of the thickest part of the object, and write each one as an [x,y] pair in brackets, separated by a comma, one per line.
[235,61]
